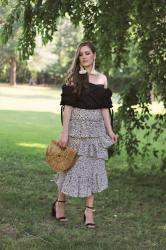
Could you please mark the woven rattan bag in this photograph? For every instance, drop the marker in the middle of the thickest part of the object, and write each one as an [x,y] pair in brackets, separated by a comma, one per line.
[60,159]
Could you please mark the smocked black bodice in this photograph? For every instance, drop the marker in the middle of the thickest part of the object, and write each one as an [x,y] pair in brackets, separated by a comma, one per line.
[92,97]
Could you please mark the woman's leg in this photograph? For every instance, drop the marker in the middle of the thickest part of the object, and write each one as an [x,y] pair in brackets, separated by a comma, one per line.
[89,212]
[61,196]
[60,206]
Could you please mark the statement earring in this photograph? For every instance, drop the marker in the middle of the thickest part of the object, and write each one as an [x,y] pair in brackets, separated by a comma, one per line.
[82,70]
[93,71]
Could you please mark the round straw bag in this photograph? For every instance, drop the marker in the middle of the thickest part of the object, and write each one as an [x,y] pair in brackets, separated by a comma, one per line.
[60,159]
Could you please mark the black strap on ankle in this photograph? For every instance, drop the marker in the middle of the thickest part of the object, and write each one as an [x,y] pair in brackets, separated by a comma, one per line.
[90,207]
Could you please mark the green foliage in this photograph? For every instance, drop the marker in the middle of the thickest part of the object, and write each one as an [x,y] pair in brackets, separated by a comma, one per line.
[10,37]
[131,40]
[65,41]
[23,73]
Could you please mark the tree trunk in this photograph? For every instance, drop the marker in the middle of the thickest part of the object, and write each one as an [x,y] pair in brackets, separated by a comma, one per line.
[152,93]
[12,71]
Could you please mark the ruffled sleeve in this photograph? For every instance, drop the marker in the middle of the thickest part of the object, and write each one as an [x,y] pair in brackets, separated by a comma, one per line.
[107,102]
[67,96]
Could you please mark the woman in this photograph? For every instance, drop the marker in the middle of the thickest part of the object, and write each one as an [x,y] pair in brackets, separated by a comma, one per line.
[86,128]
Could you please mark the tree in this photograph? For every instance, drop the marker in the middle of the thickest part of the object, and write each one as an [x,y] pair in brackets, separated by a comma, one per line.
[65,40]
[8,51]
[115,27]
[52,61]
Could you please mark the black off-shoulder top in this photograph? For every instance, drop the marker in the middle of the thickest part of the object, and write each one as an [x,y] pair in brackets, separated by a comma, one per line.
[95,96]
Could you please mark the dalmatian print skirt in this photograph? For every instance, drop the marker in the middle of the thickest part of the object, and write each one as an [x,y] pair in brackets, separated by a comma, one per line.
[87,134]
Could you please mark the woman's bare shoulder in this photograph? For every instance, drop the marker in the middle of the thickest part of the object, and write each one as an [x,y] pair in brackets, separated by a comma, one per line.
[103,79]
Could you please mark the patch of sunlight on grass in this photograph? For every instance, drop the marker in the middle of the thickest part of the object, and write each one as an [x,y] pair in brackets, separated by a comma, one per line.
[39,105]
[28,98]
[47,99]
[32,145]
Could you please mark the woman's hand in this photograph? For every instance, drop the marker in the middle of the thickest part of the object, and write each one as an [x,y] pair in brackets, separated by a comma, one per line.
[113,136]
[63,141]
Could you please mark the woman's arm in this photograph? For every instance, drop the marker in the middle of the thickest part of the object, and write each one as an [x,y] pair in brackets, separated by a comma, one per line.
[107,118]
[63,141]
[107,123]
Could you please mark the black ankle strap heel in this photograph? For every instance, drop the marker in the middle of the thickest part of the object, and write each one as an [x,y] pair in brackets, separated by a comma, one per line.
[89,225]
[53,211]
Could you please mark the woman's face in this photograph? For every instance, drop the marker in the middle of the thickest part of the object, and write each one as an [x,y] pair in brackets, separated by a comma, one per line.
[86,56]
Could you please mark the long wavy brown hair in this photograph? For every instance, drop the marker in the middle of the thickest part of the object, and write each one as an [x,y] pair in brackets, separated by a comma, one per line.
[73,77]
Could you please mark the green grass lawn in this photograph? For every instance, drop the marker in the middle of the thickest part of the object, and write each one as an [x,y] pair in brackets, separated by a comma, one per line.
[130,214]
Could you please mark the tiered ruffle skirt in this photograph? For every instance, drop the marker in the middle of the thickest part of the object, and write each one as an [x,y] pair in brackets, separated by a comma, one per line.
[87,134]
